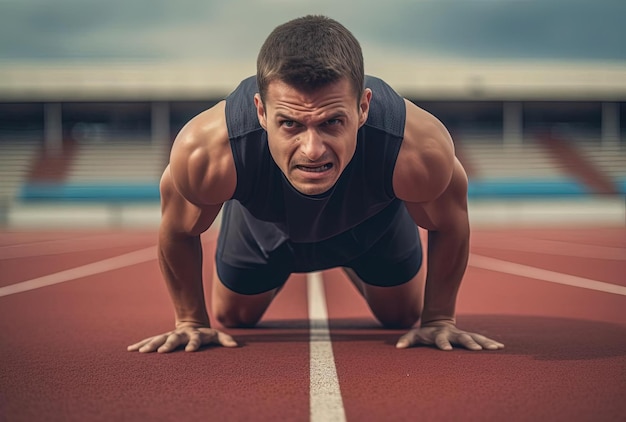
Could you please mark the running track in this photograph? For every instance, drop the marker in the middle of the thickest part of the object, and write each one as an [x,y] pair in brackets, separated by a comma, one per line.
[70,303]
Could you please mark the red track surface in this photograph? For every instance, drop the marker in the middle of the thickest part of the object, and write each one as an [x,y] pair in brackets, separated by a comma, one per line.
[63,347]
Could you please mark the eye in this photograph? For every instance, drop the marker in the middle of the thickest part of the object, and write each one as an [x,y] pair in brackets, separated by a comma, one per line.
[287,124]
[333,122]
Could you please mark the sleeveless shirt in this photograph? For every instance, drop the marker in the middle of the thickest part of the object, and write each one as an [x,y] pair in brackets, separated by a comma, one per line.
[275,211]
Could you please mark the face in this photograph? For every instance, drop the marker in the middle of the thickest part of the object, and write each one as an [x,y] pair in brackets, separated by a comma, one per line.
[312,136]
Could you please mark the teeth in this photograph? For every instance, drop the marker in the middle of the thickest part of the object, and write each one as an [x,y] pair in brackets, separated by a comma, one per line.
[315,169]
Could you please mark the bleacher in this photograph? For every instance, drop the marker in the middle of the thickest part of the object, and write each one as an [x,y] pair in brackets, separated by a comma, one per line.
[496,161]
[107,172]
[16,158]
[130,171]
[119,162]
[532,169]
[610,158]
[116,185]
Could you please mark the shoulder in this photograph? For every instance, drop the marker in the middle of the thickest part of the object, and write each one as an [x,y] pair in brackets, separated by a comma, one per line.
[387,110]
[426,160]
[201,161]
[241,116]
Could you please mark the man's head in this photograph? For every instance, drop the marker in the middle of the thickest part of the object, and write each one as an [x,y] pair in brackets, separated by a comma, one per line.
[308,53]
[311,100]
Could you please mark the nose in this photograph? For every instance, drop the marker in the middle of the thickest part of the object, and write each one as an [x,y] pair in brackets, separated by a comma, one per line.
[312,145]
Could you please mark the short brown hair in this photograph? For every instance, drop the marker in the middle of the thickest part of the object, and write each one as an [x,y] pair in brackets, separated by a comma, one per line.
[310,52]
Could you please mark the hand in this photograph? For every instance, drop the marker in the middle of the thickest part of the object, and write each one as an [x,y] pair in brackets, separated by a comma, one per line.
[444,335]
[191,335]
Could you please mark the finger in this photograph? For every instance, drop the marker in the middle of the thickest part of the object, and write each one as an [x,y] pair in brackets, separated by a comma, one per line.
[217,337]
[152,344]
[407,340]
[495,345]
[487,343]
[442,342]
[138,345]
[468,342]
[173,341]
[492,345]
[226,340]
[194,343]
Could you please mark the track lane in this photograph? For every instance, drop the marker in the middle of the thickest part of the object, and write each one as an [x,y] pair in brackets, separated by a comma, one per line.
[564,350]
[64,350]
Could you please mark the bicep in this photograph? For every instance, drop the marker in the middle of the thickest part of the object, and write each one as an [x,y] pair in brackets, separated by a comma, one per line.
[449,210]
[426,158]
[202,166]
[178,214]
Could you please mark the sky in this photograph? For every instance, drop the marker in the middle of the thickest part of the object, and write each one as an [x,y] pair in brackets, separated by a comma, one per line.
[189,30]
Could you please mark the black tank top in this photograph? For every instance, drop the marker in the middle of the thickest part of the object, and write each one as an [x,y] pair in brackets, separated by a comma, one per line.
[363,190]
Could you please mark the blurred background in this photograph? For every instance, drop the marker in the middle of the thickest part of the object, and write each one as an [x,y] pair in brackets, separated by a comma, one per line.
[93,93]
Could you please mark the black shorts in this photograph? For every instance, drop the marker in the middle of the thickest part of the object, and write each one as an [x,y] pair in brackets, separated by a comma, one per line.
[384,250]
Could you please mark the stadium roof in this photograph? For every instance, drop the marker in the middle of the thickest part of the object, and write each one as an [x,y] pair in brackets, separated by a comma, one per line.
[436,80]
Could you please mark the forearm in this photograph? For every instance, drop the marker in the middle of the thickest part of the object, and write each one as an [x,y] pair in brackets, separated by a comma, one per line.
[180,259]
[448,253]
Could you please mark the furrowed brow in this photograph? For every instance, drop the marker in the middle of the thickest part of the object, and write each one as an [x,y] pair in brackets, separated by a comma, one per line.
[283,116]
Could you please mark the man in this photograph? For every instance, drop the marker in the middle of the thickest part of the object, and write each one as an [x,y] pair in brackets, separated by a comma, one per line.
[314,166]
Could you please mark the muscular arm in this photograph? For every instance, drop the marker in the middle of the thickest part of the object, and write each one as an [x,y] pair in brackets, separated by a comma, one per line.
[180,251]
[200,177]
[448,246]
[433,185]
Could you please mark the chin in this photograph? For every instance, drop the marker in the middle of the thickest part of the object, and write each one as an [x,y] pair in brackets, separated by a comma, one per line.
[312,186]
[312,189]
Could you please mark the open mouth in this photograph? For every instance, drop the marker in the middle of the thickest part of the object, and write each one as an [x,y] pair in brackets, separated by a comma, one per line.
[315,169]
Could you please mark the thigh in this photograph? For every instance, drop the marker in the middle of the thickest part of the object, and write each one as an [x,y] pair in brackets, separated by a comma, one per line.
[394,305]
[247,273]
[234,309]
[395,258]
[251,256]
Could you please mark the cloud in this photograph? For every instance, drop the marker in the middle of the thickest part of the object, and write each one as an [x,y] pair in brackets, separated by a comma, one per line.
[513,28]
[213,29]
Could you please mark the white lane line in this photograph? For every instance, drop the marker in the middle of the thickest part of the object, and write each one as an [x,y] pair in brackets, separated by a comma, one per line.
[326,403]
[64,247]
[121,261]
[554,247]
[507,267]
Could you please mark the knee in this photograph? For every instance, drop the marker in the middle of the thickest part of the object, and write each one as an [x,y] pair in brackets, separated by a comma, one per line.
[235,310]
[395,309]
[398,319]
[237,318]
